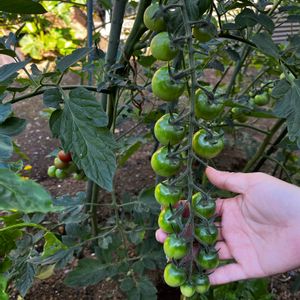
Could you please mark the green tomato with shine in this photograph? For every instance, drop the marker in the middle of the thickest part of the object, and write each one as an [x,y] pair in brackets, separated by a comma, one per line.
[167,195]
[204,208]
[174,276]
[161,47]
[163,165]
[51,171]
[201,283]
[206,234]
[168,133]
[207,146]
[151,19]
[208,260]
[164,87]
[166,223]
[175,247]
[187,290]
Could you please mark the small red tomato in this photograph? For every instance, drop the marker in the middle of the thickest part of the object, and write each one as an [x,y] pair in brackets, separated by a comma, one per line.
[63,156]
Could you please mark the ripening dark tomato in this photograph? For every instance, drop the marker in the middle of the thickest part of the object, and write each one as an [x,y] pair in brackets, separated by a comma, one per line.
[204,208]
[168,133]
[164,165]
[208,260]
[51,171]
[174,276]
[187,289]
[152,19]
[165,221]
[206,234]
[161,47]
[166,194]
[60,164]
[164,87]
[65,157]
[207,146]
[205,108]
[175,247]
[201,283]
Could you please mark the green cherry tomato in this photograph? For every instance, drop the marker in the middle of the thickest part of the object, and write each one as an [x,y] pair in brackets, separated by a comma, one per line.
[162,165]
[208,260]
[174,276]
[204,208]
[204,32]
[59,164]
[51,171]
[205,109]
[187,289]
[78,176]
[151,19]
[206,234]
[261,99]
[164,87]
[161,47]
[239,114]
[165,221]
[201,283]
[175,247]
[61,174]
[166,194]
[168,133]
[207,146]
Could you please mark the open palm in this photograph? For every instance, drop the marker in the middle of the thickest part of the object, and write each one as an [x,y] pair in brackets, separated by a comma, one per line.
[260,226]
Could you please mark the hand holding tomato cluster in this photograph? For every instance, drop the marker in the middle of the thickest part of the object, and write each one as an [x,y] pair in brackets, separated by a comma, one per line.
[64,166]
[259,227]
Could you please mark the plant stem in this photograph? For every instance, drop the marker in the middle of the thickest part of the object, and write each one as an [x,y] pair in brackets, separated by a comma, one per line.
[246,126]
[263,146]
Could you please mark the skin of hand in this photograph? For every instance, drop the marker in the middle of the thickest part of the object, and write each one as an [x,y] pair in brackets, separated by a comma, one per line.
[260,227]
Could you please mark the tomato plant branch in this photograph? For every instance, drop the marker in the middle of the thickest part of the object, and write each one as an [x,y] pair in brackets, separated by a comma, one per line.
[23,225]
[246,126]
[263,146]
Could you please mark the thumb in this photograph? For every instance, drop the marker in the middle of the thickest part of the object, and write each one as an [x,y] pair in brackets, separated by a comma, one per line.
[233,182]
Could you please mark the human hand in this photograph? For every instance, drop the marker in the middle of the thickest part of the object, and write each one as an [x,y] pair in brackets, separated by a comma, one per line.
[260,227]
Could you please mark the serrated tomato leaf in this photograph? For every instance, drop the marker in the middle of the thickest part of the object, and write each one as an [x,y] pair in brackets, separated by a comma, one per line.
[83,132]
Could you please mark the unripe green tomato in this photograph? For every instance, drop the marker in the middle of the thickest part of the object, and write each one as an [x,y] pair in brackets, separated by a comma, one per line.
[78,176]
[202,35]
[59,164]
[208,260]
[161,47]
[174,276]
[201,283]
[206,234]
[164,87]
[206,146]
[151,20]
[204,208]
[168,133]
[51,171]
[61,174]
[187,290]
[162,165]
[261,99]
[166,223]
[239,114]
[72,168]
[205,109]
[175,247]
[166,194]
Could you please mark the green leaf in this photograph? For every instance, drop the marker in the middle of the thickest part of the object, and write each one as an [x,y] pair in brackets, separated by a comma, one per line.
[8,52]
[52,98]
[54,122]
[128,152]
[23,195]
[289,108]
[12,126]
[146,61]
[88,272]
[266,22]
[83,132]
[127,284]
[6,147]
[22,7]
[264,42]
[10,69]
[8,240]
[52,245]
[3,285]
[280,88]
[69,60]
[246,18]
[25,278]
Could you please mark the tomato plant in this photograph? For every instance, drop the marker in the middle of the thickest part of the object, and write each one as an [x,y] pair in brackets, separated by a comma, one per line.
[167,221]
[167,195]
[174,276]
[206,234]
[161,47]
[175,247]
[203,208]
[208,259]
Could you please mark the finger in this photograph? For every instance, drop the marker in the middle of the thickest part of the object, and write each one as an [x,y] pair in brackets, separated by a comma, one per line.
[227,273]
[219,206]
[160,235]
[234,182]
[223,250]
